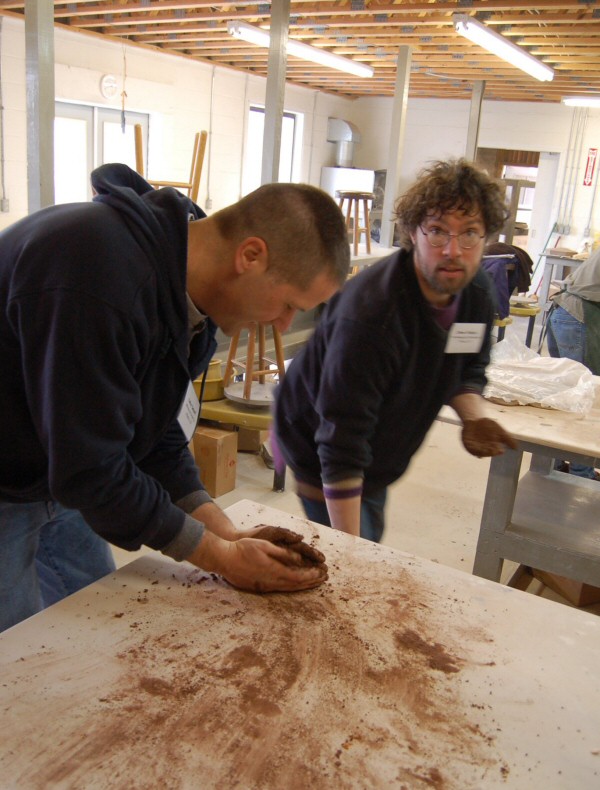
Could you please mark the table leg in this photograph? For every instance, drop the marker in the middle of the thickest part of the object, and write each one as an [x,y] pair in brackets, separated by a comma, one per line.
[545,284]
[542,464]
[279,480]
[278,476]
[529,335]
[497,512]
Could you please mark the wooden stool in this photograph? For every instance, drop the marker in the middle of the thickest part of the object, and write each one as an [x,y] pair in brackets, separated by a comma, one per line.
[532,312]
[502,323]
[355,198]
[250,374]
[193,185]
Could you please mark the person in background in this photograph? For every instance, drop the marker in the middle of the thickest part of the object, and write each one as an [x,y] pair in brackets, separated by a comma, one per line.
[574,330]
[109,310]
[510,269]
[402,338]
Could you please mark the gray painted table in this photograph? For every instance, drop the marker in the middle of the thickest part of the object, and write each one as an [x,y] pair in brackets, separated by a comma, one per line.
[543,519]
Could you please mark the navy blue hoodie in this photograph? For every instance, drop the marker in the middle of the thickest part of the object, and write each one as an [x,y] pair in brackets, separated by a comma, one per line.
[96,359]
[359,398]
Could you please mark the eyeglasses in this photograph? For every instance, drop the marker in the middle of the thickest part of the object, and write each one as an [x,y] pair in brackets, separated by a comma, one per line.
[440,238]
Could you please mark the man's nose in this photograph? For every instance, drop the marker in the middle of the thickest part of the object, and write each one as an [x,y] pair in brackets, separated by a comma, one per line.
[285,319]
[452,247]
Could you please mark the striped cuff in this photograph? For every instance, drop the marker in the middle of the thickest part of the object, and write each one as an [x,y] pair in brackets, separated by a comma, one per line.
[333,492]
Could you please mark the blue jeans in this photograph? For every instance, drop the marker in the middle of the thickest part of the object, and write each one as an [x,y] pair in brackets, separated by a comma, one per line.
[46,553]
[371,514]
[566,338]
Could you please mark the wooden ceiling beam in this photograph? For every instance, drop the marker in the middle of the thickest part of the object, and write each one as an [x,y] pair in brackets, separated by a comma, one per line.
[383,37]
[564,33]
[338,18]
[311,8]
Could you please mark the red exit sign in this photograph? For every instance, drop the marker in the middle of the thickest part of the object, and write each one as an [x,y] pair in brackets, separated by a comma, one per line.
[590,167]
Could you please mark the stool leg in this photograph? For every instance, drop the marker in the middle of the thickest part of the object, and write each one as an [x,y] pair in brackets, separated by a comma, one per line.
[261,352]
[501,330]
[356,224]
[230,357]
[367,224]
[249,362]
[348,213]
[279,353]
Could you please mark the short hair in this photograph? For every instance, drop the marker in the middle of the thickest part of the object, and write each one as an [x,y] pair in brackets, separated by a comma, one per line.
[302,226]
[444,186]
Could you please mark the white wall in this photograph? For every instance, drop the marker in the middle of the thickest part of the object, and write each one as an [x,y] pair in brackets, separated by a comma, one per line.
[436,129]
[12,52]
[176,92]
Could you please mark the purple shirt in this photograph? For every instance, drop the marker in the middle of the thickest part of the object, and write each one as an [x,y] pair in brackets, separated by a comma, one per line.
[445,315]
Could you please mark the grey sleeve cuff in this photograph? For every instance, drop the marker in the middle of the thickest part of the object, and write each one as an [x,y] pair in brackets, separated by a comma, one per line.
[190,502]
[186,541]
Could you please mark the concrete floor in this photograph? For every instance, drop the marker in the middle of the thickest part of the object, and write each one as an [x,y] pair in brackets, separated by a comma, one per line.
[433,511]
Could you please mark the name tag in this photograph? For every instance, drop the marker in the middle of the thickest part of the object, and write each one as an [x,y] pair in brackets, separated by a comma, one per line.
[465,338]
[188,412]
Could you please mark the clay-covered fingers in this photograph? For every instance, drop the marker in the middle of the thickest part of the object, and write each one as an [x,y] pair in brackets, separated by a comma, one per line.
[263,566]
[309,554]
[273,534]
[484,438]
[285,538]
[299,583]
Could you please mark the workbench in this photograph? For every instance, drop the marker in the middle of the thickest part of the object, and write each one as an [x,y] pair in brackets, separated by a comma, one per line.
[543,518]
[554,266]
[396,673]
[363,259]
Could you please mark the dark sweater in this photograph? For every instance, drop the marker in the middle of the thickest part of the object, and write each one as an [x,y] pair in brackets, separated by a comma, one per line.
[94,359]
[359,398]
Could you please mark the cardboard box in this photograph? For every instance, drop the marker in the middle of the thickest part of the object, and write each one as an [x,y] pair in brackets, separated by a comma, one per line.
[577,593]
[251,439]
[215,452]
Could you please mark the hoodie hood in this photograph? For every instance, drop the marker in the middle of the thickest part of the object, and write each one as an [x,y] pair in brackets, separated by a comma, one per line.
[158,220]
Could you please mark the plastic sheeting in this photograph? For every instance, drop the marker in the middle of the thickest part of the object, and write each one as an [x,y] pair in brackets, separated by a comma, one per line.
[519,376]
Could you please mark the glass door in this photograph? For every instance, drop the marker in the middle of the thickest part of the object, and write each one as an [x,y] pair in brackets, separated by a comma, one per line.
[86,137]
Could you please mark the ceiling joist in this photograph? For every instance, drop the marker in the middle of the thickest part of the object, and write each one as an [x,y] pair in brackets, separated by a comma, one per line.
[565,34]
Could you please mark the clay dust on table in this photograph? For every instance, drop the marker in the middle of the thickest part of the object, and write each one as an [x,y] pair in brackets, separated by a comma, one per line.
[358,683]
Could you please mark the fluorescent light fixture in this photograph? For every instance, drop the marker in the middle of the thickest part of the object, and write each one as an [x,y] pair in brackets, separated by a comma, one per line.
[480,34]
[254,35]
[581,101]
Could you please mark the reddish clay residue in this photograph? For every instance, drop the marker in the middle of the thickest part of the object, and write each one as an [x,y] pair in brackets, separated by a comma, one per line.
[436,655]
[358,683]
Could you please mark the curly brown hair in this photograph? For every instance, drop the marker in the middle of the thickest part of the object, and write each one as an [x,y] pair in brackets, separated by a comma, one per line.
[453,185]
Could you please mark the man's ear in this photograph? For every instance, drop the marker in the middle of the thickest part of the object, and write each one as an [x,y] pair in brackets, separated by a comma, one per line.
[413,237]
[251,255]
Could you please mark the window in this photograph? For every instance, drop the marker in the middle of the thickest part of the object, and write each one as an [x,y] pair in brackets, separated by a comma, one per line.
[291,146]
[86,137]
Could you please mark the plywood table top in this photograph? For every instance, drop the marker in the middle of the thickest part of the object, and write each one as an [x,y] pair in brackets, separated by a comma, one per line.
[398,672]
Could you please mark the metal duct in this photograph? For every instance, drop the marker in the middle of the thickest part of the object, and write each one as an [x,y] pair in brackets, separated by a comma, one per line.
[344,134]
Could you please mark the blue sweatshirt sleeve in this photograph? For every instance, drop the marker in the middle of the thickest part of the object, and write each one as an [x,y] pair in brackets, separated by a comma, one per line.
[355,376]
[79,358]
